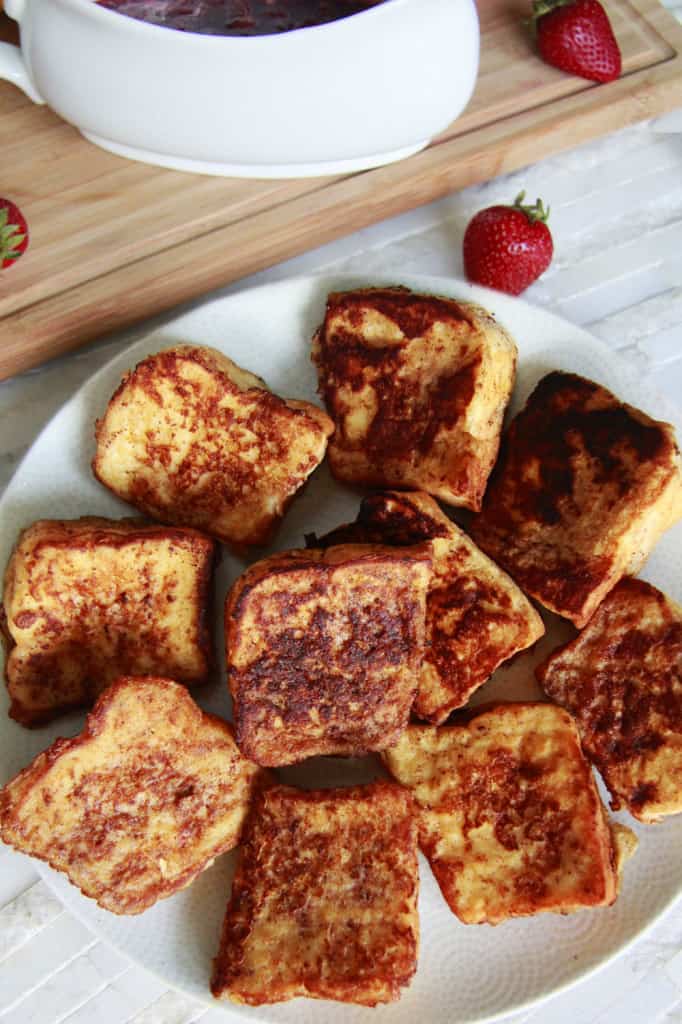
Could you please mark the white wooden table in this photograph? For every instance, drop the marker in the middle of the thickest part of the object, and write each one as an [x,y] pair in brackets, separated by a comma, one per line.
[617,224]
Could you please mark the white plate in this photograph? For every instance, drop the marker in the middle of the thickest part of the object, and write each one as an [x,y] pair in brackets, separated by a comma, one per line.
[465,973]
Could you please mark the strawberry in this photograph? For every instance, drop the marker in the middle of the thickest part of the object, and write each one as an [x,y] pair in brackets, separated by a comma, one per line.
[13,233]
[508,247]
[576,36]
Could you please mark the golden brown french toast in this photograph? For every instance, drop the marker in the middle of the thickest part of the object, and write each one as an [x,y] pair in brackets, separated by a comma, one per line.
[138,804]
[191,438]
[324,902]
[511,820]
[621,678]
[417,386]
[584,487]
[476,616]
[87,600]
[324,650]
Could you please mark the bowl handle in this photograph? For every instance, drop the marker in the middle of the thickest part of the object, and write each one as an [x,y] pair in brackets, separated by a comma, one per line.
[12,64]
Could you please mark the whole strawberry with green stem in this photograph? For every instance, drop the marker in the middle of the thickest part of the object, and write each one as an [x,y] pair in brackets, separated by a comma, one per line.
[576,36]
[508,247]
[13,233]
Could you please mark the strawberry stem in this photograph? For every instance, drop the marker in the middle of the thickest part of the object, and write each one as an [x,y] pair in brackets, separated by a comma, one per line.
[542,7]
[11,237]
[536,212]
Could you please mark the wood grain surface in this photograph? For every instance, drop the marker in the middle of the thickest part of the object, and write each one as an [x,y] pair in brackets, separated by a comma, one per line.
[114,241]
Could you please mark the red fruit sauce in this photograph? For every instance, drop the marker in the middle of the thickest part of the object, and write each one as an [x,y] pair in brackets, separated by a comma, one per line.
[238,17]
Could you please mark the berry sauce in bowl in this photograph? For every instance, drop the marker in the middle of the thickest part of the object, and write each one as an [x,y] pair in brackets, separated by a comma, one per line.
[238,17]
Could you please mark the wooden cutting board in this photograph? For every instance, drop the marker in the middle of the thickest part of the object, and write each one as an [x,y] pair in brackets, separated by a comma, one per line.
[114,241]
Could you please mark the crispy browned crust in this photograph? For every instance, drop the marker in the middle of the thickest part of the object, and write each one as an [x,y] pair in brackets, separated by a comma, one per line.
[89,599]
[583,488]
[324,648]
[400,518]
[622,680]
[476,616]
[324,901]
[191,438]
[511,820]
[139,803]
[417,386]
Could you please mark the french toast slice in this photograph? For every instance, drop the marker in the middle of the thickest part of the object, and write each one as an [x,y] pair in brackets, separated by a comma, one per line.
[417,386]
[476,616]
[324,901]
[511,820]
[621,678]
[87,600]
[191,438]
[584,487]
[324,649]
[139,803]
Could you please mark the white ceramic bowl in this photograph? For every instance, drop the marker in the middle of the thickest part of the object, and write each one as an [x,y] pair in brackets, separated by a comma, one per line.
[351,94]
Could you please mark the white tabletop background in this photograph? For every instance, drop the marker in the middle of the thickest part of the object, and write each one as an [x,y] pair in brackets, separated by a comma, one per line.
[616,219]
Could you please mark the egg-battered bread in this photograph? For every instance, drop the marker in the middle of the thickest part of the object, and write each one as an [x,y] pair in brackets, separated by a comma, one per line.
[191,438]
[324,901]
[87,600]
[417,386]
[324,649]
[511,820]
[476,616]
[583,489]
[622,680]
[138,804]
